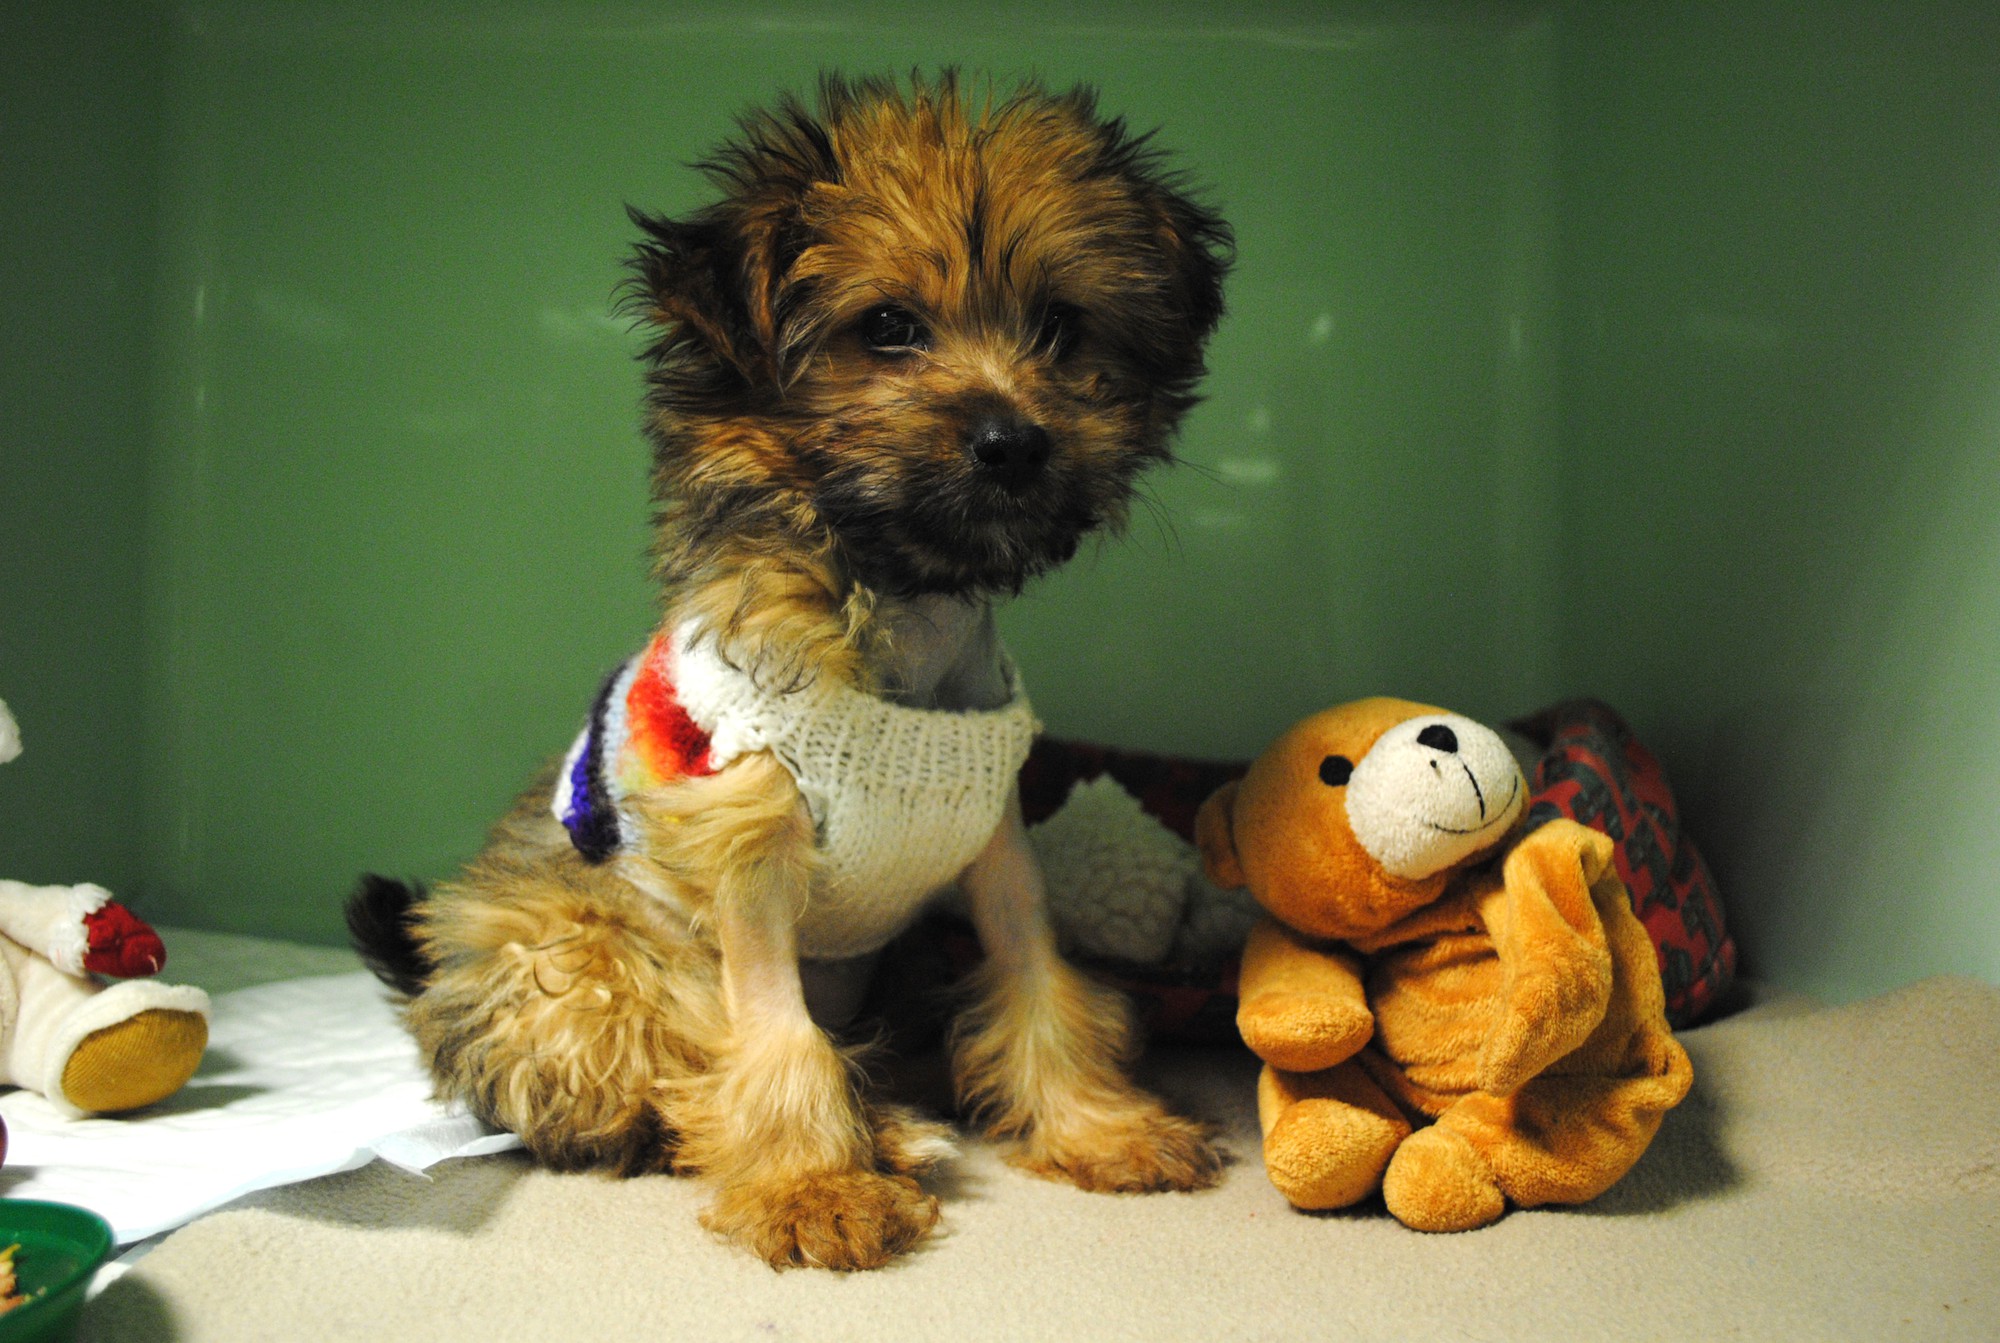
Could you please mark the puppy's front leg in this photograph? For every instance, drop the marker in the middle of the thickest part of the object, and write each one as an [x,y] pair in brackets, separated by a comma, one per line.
[1041,1052]
[779,1126]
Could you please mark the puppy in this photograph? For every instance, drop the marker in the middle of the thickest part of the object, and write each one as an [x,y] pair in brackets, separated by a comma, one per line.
[918,350]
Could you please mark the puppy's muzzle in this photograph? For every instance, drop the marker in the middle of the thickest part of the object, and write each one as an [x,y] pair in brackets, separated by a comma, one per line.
[1011,452]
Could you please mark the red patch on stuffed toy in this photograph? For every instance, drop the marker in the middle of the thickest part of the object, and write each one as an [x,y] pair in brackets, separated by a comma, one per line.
[121,944]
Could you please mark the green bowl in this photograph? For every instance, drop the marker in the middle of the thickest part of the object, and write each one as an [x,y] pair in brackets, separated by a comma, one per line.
[61,1248]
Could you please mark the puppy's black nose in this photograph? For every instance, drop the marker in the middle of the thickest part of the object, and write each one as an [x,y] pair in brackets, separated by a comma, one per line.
[1439,738]
[1011,452]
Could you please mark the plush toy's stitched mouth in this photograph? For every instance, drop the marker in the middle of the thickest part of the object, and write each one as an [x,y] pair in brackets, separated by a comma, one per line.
[1497,815]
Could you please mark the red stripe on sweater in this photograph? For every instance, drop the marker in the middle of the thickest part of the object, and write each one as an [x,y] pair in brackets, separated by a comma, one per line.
[669,743]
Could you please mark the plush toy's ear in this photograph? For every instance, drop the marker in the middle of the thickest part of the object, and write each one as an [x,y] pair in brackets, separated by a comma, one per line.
[1215,836]
[1551,940]
[10,735]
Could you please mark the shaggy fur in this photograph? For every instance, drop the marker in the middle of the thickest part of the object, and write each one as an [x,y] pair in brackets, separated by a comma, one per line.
[920,347]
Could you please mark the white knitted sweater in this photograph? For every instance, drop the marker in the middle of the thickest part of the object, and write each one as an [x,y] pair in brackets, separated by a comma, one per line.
[902,799]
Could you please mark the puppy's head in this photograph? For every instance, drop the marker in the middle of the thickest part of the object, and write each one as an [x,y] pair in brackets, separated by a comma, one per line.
[933,334]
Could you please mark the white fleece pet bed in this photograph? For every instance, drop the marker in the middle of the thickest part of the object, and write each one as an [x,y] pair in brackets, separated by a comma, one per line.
[1834,1175]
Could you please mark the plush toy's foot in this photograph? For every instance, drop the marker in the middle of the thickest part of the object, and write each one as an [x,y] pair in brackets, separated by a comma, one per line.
[137,1061]
[1327,1135]
[1437,1182]
[127,1045]
[1324,1153]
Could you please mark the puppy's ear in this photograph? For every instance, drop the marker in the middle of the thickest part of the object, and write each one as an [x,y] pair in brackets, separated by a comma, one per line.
[692,279]
[1215,836]
[716,282]
[1194,247]
[1199,248]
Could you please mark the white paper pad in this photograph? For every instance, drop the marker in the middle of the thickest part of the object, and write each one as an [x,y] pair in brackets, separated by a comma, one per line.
[302,1078]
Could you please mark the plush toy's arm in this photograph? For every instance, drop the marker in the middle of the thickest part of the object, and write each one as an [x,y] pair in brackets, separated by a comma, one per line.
[1551,944]
[49,920]
[79,929]
[1301,1007]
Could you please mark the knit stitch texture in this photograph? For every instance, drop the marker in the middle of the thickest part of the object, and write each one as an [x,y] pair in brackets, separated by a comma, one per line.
[902,799]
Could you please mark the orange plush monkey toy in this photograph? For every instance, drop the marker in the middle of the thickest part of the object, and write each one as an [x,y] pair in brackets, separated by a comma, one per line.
[1449,1009]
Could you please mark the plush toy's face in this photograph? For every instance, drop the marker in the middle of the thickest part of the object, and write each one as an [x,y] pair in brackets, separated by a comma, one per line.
[1358,816]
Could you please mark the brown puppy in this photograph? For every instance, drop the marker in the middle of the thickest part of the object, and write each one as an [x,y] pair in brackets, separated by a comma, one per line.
[917,351]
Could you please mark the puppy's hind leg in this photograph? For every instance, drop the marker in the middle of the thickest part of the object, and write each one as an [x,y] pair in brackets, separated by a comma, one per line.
[777,1122]
[1041,1052]
[562,1004]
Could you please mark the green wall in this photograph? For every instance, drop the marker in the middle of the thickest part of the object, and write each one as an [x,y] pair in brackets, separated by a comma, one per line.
[80,101]
[400,491]
[1780,292]
[1640,350]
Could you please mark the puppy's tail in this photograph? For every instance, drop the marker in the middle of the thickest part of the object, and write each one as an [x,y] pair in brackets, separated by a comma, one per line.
[378,919]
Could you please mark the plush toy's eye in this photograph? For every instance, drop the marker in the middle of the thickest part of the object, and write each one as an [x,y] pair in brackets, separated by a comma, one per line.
[1334,770]
[893,328]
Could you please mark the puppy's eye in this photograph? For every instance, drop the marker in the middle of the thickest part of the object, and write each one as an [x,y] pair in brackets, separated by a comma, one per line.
[1062,323]
[1335,770]
[890,327]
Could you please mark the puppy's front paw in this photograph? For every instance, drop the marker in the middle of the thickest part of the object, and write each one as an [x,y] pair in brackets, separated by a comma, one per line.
[1136,1152]
[842,1220]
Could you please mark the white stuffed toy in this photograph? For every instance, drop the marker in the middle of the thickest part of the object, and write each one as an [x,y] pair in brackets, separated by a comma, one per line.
[1123,887]
[89,1047]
